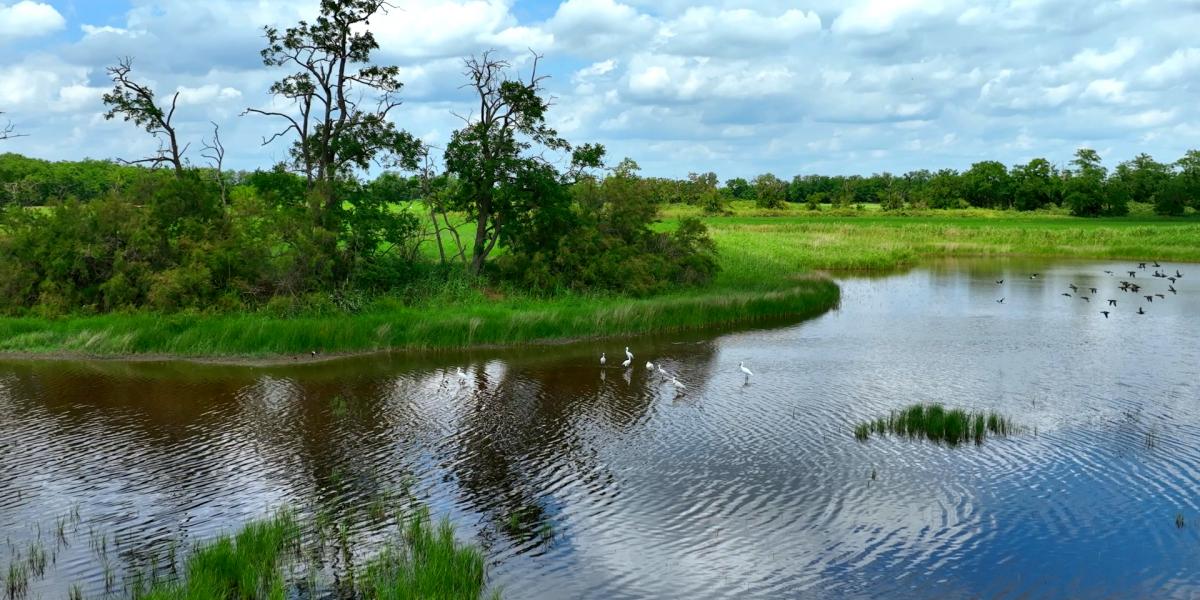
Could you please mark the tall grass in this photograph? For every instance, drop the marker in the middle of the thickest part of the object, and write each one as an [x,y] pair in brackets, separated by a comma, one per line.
[243,567]
[937,424]
[430,566]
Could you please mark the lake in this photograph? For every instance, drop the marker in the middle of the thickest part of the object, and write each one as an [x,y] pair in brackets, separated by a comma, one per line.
[589,482]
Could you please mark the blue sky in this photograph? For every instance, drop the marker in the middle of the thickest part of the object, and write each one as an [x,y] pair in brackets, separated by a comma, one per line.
[740,88]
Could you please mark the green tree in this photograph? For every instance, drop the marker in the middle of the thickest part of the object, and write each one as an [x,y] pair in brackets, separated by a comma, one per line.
[1035,185]
[490,155]
[739,189]
[1085,186]
[1143,177]
[770,191]
[988,184]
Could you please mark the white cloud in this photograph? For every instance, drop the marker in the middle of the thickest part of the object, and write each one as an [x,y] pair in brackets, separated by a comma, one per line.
[1106,90]
[1103,62]
[882,16]
[1177,66]
[27,19]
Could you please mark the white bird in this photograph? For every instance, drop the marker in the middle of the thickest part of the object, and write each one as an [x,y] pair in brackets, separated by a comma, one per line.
[462,376]
[662,371]
[627,362]
[628,354]
[748,373]
[602,359]
[678,384]
[649,366]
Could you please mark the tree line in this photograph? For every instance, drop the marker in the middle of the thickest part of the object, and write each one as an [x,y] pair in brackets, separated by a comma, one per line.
[541,213]
[1084,186]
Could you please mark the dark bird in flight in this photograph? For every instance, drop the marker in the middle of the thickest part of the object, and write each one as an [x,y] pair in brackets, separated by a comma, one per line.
[1161,296]
[1000,282]
[1105,313]
[1132,273]
[1066,294]
[1089,300]
[1141,265]
[1112,302]
[1171,288]
[1034,276]
[1149,298]
[1140,311]
[1178,274]
[1073,287]
[1109,272]
[1172,279]
[1000,301]
[1156,265]
[1093,290]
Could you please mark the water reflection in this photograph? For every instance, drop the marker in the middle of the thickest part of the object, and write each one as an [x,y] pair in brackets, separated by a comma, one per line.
[590,482]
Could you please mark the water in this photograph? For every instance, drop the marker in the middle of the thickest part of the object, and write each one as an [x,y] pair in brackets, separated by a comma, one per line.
[725,490]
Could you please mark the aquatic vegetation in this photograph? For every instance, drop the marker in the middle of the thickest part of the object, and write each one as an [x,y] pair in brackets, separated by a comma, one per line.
[430,565]
[937,424]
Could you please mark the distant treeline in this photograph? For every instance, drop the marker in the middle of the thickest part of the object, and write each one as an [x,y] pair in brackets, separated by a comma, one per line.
[1086,187]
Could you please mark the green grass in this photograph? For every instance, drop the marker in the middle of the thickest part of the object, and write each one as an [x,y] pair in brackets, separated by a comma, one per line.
[767,258]
[431,566]
[245,566]
[937,424]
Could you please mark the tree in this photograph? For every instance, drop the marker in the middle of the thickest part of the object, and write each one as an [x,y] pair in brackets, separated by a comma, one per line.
[488,155]
[738,188]
[1085,186]
[1143,177]
[1035,185]
[769,191]
[1188,172]
[135,102]
[1173,197]
[339,102]
[988,184]
[8,130]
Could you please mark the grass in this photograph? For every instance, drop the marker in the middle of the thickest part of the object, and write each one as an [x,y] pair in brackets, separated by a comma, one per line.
[432,566]
[426,562]
[937,424]
[768,260]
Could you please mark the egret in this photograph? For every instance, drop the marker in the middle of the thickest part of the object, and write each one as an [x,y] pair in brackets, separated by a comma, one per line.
[649,366]
[462,375]
[627,362]
[603,359]
[748,372]
[628,354]
[662,371]
[677,383]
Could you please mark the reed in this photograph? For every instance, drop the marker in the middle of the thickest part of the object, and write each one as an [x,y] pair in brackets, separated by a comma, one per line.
[434,567]
[937,424]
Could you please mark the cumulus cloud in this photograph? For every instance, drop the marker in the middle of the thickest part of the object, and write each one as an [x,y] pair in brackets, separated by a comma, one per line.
[680,85]
[27,19]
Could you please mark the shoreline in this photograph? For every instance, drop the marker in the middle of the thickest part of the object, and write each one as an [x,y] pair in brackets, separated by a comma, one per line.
[809,296]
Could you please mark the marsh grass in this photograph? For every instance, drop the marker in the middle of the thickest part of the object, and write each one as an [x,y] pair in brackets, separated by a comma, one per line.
[937,424]
[429,564]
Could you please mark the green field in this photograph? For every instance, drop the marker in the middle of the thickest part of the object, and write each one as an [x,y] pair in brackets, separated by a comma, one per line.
[768,263]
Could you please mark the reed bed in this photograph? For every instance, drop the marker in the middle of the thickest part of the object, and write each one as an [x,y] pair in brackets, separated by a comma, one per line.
[938,424]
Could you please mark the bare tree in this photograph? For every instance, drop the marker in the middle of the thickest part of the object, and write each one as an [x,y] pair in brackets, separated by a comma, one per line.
[135,102]
[335,126]
[8,130]
[214,151]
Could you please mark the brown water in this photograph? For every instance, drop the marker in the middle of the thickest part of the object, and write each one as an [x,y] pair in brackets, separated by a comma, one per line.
[628,487]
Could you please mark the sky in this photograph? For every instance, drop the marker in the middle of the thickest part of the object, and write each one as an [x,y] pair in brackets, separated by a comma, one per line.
[740,88]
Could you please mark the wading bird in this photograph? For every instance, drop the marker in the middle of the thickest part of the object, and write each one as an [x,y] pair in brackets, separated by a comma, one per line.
[649,366]
[742,365]
[628,354]
[462,375]
[603,359]
[627,362]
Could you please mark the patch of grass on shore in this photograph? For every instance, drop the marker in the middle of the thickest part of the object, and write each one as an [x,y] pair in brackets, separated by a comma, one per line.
[937,424]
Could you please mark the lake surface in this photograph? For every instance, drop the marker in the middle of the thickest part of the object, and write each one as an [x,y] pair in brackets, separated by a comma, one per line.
[625,487]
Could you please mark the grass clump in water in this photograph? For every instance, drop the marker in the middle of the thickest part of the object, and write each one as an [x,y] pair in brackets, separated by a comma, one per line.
[244,566]
[431,565]
[937,424]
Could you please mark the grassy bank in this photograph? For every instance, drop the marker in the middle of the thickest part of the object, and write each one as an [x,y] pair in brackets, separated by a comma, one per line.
[767,259]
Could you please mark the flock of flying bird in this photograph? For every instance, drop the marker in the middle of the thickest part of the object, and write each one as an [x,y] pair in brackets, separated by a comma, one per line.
[1126,286]
[652,368]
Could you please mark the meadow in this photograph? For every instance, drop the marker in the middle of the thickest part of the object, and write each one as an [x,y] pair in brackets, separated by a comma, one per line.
[773,265]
